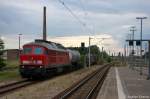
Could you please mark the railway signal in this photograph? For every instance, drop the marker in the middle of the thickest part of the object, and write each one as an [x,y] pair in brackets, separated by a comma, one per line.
[82,46]
[138,42]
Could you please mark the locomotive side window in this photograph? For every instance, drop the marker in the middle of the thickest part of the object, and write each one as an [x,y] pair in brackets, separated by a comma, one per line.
[27,50]
[38,51]
[46,52]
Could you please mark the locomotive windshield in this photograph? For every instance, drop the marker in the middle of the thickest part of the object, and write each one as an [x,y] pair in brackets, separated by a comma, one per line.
[38,50]
[27,50]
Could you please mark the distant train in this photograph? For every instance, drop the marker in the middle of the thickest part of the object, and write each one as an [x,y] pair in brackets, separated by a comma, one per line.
[40,58]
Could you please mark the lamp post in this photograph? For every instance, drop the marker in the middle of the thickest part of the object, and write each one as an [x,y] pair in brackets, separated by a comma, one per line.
[141,19]
[19,37]
[133,30]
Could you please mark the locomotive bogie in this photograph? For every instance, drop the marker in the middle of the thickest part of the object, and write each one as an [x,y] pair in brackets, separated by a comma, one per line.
[32,71]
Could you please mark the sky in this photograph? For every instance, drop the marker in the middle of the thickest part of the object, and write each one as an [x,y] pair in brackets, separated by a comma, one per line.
[110,19]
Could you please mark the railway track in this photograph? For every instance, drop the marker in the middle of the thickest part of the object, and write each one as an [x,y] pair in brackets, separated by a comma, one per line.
[13,86]
[87,88]
[4,89]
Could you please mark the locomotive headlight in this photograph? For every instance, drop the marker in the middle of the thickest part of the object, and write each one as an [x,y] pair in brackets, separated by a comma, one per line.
[25,62]
[40,66]
[39,62]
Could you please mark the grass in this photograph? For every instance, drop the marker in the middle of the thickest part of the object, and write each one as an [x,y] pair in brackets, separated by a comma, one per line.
[9,74]
[10,71]
[12,64]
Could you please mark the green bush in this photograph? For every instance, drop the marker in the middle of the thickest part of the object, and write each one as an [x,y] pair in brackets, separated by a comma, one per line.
[82,60]
[2,64]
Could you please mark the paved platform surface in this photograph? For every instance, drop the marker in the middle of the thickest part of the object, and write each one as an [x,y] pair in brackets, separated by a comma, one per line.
[125,83]
[109,88]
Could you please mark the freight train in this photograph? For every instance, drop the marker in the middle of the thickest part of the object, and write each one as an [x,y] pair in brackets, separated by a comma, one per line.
[40,58]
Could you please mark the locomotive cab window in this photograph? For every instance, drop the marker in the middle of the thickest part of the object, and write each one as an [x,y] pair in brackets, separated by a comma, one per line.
[38,50]
[27,50]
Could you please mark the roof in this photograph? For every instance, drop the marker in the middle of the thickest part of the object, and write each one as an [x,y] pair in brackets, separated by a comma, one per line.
[48,44]
[11,50]
[139,40]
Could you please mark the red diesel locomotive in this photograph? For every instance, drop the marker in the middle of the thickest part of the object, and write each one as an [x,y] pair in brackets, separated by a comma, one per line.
[40,58]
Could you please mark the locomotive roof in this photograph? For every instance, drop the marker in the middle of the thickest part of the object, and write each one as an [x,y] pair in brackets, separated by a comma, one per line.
[48,44]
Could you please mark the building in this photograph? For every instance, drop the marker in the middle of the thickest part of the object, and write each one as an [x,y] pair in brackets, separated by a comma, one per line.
[11,54]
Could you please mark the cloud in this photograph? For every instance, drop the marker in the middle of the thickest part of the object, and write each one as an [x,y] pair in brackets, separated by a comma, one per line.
[112,17]
[109,43]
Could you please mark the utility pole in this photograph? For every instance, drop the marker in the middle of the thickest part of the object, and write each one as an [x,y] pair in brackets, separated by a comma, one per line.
[148,60]
[141,19]
[19,38]
[90,51]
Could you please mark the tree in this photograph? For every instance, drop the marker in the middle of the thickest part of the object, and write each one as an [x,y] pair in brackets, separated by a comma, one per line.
[2,64]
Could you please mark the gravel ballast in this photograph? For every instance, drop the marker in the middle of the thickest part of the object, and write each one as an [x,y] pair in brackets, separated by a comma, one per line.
[49,88]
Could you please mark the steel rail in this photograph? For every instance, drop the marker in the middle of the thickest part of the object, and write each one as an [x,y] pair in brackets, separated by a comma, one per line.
[68,92]
[13,86]
[13,83]
[98,84]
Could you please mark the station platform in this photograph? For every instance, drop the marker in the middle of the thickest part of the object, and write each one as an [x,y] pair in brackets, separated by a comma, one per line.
[125,83]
